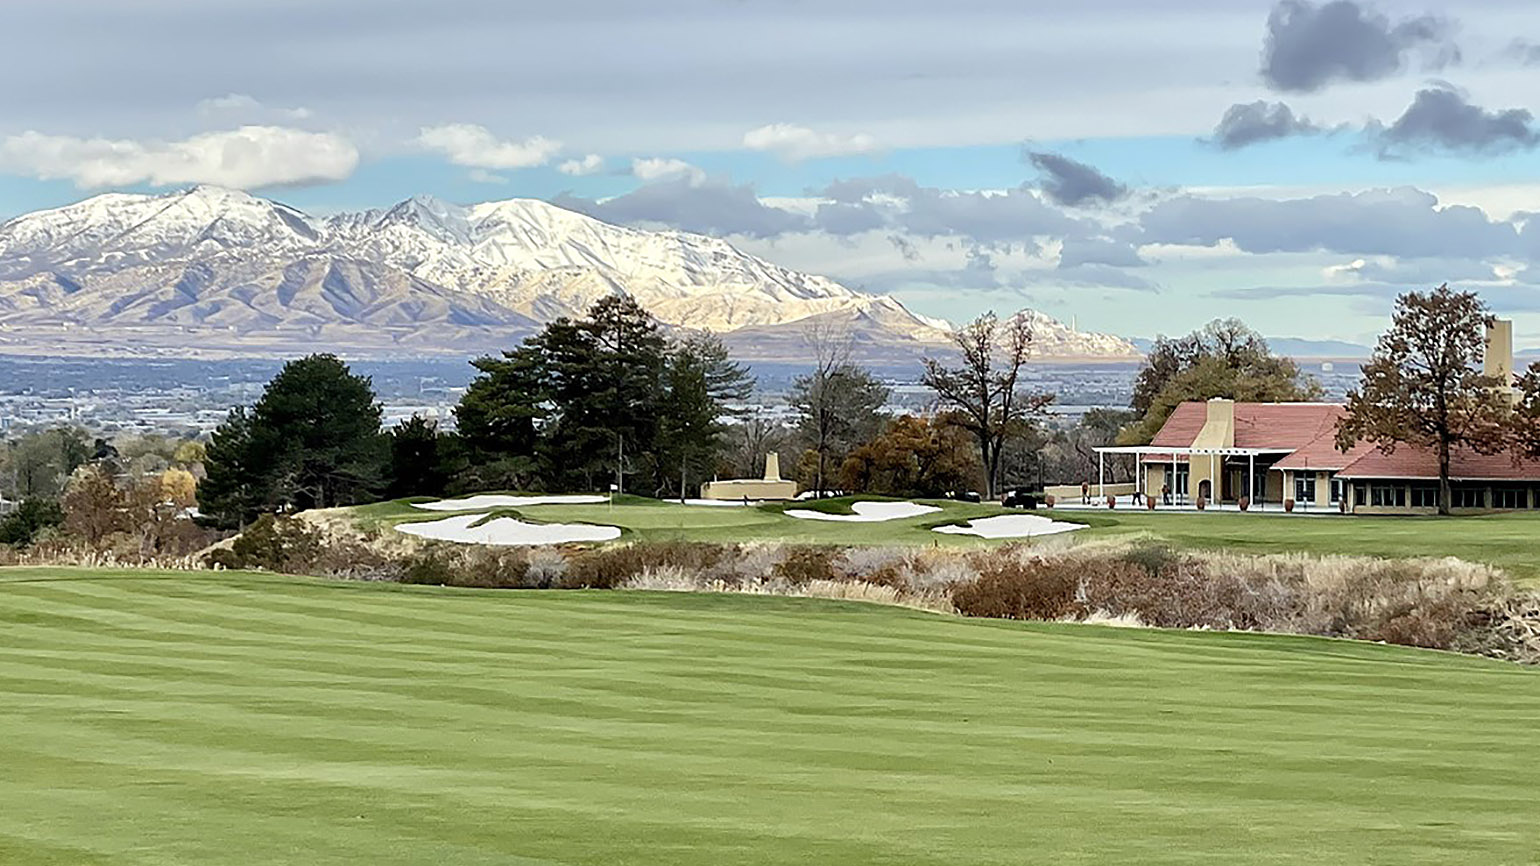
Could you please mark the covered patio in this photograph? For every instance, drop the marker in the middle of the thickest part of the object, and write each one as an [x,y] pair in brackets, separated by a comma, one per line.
[1205,472]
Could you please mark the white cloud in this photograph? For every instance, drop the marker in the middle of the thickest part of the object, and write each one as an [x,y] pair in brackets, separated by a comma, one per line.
[590,164]
[481,175]
[1351,270]
[472,145]
[793,142]
[244,158]
[660,168]
[248,108]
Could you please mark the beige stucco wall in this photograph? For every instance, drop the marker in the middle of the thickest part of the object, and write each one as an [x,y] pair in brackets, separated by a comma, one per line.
[1322,488]
[1071,492]
[751,488]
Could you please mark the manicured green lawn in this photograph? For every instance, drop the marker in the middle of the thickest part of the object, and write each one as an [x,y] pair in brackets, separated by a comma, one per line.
[236,719]
[1511,541]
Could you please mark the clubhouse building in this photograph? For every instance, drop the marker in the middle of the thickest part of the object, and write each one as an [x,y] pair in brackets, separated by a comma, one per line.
[1221,450]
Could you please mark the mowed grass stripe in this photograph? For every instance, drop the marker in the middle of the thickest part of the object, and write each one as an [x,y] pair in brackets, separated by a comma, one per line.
[685,729]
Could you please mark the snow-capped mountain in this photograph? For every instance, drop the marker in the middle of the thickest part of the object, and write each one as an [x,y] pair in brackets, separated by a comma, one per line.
[211,267]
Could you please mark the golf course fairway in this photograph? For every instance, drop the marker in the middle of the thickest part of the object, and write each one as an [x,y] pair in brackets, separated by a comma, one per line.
[162,718]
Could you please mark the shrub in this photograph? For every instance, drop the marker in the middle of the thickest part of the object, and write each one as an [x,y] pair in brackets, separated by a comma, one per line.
[1010,586]
[609,567]
[273,543]
[31,519]
[806,563]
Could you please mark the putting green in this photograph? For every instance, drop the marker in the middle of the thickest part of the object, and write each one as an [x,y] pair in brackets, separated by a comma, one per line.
[239,719]
[654,520]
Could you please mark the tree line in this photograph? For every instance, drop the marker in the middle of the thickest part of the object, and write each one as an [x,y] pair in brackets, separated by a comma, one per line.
[609,401]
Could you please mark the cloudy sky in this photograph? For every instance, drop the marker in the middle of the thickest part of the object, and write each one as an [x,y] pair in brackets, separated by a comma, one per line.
[1141,167]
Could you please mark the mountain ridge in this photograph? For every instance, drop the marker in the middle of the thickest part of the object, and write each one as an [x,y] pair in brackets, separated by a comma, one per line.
[218,269]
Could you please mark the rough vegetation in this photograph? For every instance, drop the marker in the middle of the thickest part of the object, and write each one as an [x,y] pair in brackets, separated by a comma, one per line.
[1446,604]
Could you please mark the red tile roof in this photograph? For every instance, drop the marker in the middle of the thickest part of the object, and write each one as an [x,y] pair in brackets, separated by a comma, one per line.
[1182,425]
[1257,425]
[1310,429]
[1321,453]
[1422,463]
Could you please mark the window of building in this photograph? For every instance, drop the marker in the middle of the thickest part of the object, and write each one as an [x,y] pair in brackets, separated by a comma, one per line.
[1387,495]
[1470,497]
[1360,494]
[1304,487]
[1179,485]
[1338,490]
[1510,497]
[1424,495]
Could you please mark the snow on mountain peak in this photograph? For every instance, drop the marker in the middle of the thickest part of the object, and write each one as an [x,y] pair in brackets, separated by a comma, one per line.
[532,259]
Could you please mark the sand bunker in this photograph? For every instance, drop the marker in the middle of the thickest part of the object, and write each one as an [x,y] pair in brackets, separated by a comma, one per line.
[1011,526]
[485,501]
[868,512]
[507,532]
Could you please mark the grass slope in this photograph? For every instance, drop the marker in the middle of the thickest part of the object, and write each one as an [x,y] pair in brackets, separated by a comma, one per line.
[1511,541]
[239,719]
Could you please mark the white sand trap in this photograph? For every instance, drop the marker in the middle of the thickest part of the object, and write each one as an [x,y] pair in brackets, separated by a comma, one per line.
[868,512]
[489,500]
[1011,526]
[507,532]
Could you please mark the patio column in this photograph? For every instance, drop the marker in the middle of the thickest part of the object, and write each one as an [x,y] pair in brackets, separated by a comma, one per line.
[1251,479]
[1213,481]
[1101,475]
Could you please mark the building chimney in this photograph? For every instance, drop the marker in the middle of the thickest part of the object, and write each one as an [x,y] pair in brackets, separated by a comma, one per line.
[1498,361]
[772,466]
[1218,425]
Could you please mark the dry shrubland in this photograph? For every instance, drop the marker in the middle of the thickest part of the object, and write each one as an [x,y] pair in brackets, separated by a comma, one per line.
[1445,604]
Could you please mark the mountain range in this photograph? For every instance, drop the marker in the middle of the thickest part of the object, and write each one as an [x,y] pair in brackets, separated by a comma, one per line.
[217,271]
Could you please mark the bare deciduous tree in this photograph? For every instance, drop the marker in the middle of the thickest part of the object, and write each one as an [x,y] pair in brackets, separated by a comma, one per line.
[839,404]
[984,390]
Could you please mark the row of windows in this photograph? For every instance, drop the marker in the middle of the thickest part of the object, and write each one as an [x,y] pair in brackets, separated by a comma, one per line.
[1426,496]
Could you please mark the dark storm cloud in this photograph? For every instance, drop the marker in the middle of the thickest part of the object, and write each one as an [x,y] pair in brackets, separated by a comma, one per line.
[707,208]
[1308,46]
[1072,184]
[1396,222]
[1442,120]
[1250,123]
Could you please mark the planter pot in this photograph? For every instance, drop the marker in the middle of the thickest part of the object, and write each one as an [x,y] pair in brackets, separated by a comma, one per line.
[1049,500]
[1149,502]
[1112,502]
[1245,503]
[1288,505]
[1201,503]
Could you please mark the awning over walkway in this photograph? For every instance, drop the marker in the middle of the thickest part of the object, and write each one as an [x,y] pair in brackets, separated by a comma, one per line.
[1170,453]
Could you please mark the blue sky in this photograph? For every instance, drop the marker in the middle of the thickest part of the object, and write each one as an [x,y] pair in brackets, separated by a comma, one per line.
[1140,167]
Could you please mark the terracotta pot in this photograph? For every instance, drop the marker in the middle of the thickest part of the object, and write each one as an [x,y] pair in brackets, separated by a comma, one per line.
[1201,503]
[1288,505]
[1112,502]
[1245,503]
[1049,500]
[1149,502]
